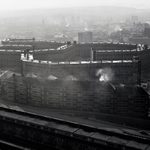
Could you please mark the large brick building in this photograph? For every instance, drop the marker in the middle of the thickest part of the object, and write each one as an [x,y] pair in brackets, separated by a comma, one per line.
[85,37]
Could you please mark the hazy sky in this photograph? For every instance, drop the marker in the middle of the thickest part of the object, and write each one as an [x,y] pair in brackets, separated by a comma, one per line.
[25,4]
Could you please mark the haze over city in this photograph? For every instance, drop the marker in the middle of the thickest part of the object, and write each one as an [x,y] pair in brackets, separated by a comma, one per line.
[61,20]
[31,4]
[75,74]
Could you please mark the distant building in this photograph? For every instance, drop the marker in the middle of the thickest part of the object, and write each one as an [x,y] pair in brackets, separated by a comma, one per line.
[85,37]
[141,40]
[134,19]
[143,37]
[147,30]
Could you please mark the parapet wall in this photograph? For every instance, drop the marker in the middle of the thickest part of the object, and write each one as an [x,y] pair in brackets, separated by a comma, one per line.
[81,96]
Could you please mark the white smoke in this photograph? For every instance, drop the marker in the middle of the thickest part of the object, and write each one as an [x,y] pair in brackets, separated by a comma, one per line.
[118,28]
[105,74]
[70,77]
[86,29]
[51,77]
[32,75]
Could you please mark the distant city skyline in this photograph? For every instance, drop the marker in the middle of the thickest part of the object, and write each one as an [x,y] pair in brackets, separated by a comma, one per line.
[31,4]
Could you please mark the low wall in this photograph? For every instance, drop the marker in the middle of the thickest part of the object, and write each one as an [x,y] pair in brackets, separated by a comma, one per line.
[82,96]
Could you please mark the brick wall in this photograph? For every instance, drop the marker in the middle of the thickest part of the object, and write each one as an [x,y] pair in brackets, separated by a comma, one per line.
[123,72]
[83,52]
[10,60]
[73,53]
[82,96]
[115,55]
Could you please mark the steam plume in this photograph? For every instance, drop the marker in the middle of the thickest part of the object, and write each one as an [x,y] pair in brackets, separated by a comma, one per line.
[71,77]
[105,74]
[51,77]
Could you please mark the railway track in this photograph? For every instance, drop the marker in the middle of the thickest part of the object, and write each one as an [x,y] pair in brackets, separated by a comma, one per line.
[66,133]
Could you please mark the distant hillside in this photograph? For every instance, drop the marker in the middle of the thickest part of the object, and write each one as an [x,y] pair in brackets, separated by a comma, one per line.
[103,11]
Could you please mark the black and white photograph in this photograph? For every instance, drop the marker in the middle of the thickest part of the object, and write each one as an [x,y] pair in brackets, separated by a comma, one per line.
[74,74]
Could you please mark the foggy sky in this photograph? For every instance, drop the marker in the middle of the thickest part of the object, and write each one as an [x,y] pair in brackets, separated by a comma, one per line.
[29,4]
